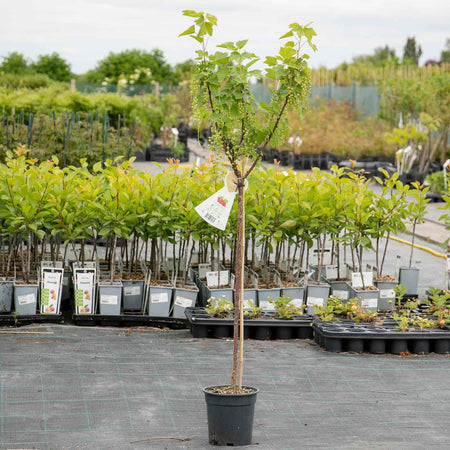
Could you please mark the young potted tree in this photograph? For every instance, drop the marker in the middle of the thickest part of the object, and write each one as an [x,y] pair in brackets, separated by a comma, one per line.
[242,129]
[416,210]
[389,211]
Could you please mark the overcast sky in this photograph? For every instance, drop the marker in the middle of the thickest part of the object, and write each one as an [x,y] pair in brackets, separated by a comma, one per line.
[85,31]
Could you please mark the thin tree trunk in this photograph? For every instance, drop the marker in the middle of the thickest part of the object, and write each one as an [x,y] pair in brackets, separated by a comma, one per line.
[238,334]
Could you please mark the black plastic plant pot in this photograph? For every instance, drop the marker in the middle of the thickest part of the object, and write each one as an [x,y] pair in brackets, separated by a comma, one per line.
[230,417]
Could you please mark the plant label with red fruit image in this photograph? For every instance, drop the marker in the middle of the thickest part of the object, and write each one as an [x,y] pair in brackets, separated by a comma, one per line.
[216,209]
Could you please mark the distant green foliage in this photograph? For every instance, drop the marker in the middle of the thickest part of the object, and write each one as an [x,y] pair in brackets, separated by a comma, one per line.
[445,54]
[380,57]
[15,81]
[412,52]
[15,63]
[126,63]
[53,66]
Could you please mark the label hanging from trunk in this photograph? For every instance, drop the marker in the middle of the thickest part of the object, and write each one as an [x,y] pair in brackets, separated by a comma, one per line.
[216,209]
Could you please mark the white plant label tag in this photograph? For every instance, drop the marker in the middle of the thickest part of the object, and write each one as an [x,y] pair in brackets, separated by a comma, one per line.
[314,301]
[297,302]
[109,299]
[212,278]
[387,293]
[216,209]
[341,294]
[132,290]
[50,292]
[84,292]
[357,280]
[184,302]
[369,302]
[203,269]
[265,304]
[247,304]
[161,297]
[331,272]
[27,299]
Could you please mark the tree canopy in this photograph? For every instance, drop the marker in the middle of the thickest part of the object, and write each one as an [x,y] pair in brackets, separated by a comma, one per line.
[54,66]
[130,62]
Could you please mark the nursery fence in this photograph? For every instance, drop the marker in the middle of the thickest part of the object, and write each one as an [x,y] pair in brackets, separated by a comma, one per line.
[365,98]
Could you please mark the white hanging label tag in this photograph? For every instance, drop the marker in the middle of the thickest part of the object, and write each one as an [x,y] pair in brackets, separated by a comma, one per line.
[216,209]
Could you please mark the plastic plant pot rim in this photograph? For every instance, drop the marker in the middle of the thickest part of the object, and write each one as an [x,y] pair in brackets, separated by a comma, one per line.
[216,394]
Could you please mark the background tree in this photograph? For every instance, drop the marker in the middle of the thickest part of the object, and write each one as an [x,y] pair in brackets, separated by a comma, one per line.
[127,62]
[445,54]
[380,57]
[15,63]
[412,52]
[54,66]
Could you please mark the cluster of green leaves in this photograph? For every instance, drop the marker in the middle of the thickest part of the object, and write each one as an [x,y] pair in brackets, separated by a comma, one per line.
[219,307]
[420,100]
[52,65]
[221,93]
[72,136]
[117,201]
[152,66]
[368,73]
[285,309]
[147,109]
[337,308]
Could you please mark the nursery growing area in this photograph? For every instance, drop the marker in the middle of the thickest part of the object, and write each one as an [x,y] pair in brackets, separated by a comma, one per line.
[119,243]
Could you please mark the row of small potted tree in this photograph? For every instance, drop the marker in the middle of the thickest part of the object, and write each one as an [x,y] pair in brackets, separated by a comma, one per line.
[126,220]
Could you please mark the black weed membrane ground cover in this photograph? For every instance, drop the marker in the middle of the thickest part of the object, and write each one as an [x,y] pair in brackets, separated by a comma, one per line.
[68,387]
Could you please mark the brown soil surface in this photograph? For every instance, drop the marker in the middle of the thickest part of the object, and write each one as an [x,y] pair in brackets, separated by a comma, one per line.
[230,390]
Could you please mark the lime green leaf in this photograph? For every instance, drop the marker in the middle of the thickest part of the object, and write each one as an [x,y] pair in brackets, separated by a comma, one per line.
[191,13]
[190,30]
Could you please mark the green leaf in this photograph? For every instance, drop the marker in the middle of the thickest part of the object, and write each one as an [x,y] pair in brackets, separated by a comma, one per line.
[227,45]
[271,60]
[192,13]
[240,44]
[190,30]
[288,223]
[286,35]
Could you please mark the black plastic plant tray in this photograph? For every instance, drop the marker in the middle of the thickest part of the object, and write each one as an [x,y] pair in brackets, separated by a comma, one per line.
[352,337]
[203,325]
[128,320]
[9,319]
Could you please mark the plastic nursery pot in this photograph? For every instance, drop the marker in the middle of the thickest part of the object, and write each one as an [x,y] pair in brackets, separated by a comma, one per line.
[409,277]
[230,417]
[6,296]
[25,298]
